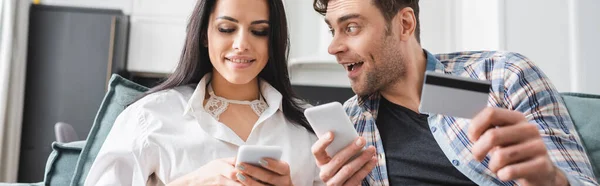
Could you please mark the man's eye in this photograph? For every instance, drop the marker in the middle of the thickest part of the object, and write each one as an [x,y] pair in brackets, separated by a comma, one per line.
[331,31]
[352,29]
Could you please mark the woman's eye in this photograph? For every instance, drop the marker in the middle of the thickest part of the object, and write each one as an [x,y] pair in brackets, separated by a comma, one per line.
[260,32]
[226,30]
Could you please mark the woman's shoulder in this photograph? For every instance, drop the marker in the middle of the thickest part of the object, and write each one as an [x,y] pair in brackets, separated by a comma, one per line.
[164,100]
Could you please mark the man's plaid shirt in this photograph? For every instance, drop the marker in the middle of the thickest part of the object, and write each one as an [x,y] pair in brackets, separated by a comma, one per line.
[517,84]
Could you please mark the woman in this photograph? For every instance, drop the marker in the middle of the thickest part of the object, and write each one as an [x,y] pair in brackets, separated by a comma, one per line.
[231,88]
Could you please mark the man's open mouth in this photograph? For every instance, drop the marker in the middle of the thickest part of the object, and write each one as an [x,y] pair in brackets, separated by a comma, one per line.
[352,66]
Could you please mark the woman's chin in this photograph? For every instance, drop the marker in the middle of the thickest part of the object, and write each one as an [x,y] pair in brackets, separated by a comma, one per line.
[240,79]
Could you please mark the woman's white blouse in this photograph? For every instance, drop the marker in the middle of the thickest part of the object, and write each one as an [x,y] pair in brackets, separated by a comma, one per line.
[169,134]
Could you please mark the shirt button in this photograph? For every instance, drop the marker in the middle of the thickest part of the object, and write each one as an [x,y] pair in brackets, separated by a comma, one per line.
[433,129]
[455,163]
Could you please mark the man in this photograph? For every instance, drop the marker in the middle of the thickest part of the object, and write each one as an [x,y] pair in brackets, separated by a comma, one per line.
[524,137]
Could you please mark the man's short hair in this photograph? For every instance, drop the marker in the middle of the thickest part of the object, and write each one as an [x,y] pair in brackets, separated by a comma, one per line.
[388,8]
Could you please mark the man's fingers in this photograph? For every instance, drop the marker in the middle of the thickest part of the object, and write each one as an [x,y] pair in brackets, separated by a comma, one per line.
[491,117]
[276,166]
[342,172]
[527,169]
[517,153]
[247,180]
[318,149]
[340,159]
[503,136]
[362,173]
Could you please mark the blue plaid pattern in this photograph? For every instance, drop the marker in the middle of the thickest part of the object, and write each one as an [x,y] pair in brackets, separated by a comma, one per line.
[517,84]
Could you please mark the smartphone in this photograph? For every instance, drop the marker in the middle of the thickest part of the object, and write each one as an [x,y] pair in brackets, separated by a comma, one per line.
[332,117]
[251,154]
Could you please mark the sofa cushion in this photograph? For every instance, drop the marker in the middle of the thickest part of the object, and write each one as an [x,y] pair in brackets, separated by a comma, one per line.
[61,162]
[584,109]
[121,92]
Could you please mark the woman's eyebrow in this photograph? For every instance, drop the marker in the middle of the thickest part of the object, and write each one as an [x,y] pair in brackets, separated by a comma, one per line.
[236,21]
[259,22]
[228,18]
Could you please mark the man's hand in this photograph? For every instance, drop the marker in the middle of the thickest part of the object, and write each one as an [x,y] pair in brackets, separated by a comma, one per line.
[338,170]
[516,148]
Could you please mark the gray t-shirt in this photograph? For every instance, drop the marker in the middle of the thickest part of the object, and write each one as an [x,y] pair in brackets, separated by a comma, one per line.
[413,156]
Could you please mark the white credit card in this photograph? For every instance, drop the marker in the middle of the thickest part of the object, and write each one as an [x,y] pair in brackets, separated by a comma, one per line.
[454,96]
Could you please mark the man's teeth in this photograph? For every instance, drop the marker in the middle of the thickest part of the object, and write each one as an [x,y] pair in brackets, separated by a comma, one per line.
[240,60]
[352,65]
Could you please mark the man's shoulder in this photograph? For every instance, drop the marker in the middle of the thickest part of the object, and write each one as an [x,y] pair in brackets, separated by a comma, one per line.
[486,62]
[467,58]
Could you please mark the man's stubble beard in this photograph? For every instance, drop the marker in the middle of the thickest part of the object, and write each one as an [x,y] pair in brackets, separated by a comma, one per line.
[389,69]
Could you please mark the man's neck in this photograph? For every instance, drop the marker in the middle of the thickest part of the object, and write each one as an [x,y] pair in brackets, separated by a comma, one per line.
[407,91]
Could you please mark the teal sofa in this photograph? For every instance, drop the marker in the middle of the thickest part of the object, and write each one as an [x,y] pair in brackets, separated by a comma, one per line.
[69,162]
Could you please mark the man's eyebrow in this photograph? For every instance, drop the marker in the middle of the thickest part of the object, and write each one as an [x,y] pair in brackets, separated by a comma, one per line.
[344,18]
[228,18]
[347,17]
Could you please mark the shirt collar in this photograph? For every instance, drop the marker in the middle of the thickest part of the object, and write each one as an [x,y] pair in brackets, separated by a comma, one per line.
[195,108]
[371,102]
[433,63]
[196,101]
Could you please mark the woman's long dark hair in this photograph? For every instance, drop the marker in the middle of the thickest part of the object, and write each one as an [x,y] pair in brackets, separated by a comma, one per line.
[195,63]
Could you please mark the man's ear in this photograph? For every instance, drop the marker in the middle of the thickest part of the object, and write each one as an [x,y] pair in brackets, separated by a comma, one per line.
[406,22]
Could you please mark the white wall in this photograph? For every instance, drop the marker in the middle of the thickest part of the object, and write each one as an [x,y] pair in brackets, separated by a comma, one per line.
[561,36]
[542,34]
[477,25]
[587,35]
[437,20]
[460,25]
[558,35]
[308,31]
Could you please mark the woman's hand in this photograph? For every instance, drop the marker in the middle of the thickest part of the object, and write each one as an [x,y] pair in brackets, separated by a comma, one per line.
[216,172]
[270,172]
